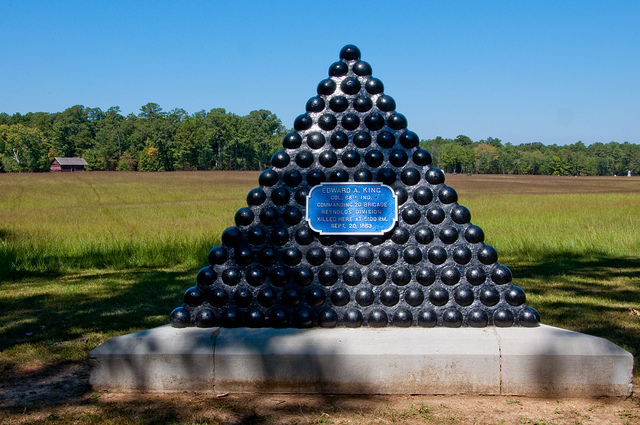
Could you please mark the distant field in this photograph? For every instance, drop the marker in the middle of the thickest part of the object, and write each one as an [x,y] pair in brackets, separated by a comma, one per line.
[86,256]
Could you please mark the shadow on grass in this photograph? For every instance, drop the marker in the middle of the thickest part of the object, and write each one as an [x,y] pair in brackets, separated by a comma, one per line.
[590,292]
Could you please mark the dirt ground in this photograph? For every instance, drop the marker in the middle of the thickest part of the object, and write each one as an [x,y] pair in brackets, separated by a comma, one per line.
[62,395]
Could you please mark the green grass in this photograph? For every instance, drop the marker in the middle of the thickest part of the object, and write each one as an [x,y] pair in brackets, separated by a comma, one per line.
[88,256]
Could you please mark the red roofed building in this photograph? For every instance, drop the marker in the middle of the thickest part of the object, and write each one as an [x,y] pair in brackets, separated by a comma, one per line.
[68,164]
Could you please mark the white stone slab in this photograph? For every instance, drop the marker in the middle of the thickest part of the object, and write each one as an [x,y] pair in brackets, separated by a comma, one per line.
[543,361]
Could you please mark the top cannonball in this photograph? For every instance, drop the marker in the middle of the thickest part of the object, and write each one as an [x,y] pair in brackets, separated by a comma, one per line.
[350,52]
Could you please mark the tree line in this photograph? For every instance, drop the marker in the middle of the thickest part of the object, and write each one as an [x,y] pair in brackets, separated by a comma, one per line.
[152,140]
[155,140]
[492,156]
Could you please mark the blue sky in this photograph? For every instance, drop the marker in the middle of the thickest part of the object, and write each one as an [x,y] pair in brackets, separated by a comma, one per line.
[534,71]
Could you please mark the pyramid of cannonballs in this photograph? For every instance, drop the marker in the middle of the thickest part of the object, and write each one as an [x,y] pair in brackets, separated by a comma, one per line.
[311,249]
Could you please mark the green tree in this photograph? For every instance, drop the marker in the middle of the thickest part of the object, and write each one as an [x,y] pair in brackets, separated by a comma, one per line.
[23,148]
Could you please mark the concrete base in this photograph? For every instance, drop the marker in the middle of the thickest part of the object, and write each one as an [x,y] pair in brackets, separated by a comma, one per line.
[543,361]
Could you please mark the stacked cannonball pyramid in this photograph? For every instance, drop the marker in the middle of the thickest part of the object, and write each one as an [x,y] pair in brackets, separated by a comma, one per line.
[432,269]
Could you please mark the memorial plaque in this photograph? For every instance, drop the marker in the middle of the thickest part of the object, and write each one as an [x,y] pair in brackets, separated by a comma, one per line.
[352,209]
[352,225]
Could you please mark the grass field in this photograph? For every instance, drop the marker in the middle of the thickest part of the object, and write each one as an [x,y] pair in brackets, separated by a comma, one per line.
[87,256]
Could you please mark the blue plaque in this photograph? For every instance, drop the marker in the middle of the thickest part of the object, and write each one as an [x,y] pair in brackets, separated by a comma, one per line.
[352,208]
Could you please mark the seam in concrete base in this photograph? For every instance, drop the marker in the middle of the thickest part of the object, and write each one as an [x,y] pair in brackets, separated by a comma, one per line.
[544,361]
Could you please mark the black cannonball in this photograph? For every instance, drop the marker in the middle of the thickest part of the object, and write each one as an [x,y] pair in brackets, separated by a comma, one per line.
[193,297]
[255,319]
[218,255]
[401,276]
[385,139]
[302,122]
[477,318]
[378,318]
[463,295]
[279,196]
[487,255]
[438,296]
[278,318]
[448,234]
[374,158]
[474,234]
[376,276]
[339,104]
[476,275]
[450,275]
[242,297]
[362,139]
[409,140]
[501,275]
[269,216]
[460,214]
[411,215]
[256,197]
[414,296]
[365,297]
[352,276]
[452,318]
[339,255]
[180,318]
[328,318]
[410,176]
[218,297]
[315,297]
[402,318]
[364,255]
[374,86]
[386,103]
[529,317]
[361,68]
[243,256]
[206,276]
[423,195]
[303,318]
[434,176]
[256,235]
[374,122]
[350,122]
[353,318]
[461,254]
[515,296]
[350,85]
[316,256]
[256,276]
[315,177]
[399,158]
[340,297]
[435,215]
[397,121]
[291,256]
[328,276]
[423,235]
[389,296]
[292,140]
[427,318]
[327,86]
[231,318]
[327,240]
[268,177]
[315,104]
[362,103]
[327,122]
[503,318]
[338,69]
[363,175]
[350,158]
[421,157]
[400,235]
[447,195]
[267,297]
[489,296]
[437,255]
[290,297]
[280,159]
[402,195]
[304,159]
[425,277]
[292,216]
[304,236]
[412,255]
[388,255]
[328,159]
[339,140]
[279,236]
[205,318]
[231,276]
[316,140]
[303,276]
[350,52]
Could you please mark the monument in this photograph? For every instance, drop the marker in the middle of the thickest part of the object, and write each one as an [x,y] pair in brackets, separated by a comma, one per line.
[354,233]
